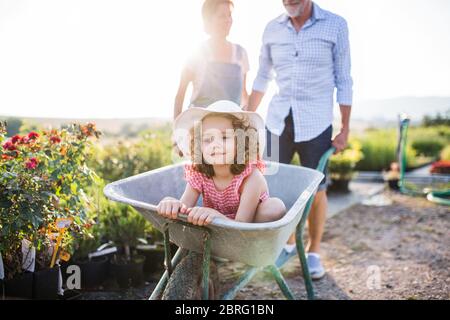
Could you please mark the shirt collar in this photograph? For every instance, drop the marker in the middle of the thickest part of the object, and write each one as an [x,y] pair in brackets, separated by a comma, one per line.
[317,14]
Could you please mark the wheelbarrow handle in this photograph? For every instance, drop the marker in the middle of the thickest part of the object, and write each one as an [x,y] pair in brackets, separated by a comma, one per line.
[323,160]
[182,219]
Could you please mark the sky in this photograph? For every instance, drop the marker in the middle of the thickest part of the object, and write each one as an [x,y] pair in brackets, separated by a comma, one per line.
[122,59]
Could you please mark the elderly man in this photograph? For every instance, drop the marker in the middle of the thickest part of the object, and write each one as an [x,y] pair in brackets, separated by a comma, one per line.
[306,50]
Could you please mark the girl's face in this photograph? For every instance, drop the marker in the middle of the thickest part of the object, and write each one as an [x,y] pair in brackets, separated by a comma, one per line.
[218,141]
[219,24]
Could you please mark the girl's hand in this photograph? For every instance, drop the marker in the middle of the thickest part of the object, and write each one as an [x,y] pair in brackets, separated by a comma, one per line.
[169,207]
[202,216]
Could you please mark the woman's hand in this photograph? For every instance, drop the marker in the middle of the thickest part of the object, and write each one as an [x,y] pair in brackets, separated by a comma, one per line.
[202,216]
[169,207]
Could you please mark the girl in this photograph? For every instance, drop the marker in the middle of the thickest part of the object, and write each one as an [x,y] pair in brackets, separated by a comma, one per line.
[218,69]
[229,173]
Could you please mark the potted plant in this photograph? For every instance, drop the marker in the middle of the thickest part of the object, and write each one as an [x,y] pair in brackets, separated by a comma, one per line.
[93,269]
[440,167]
[152,248]
[342,167]
[392,177]
[46,276]
[17,282]
[124,226]
[42,179]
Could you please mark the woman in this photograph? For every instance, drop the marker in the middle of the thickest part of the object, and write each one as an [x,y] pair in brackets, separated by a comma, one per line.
[218,69]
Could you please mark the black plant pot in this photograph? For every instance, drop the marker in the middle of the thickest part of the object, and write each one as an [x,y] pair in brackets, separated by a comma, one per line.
[63,265]
[129,273]
[93,272]
[339,185]
[20,286]
[71,295]
[45,284]
[154,259]
[393,184]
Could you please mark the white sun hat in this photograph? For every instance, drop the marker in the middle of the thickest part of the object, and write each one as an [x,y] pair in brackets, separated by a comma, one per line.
[186,120]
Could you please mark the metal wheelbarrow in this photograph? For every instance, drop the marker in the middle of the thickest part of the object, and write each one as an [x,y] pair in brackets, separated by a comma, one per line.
[256,244]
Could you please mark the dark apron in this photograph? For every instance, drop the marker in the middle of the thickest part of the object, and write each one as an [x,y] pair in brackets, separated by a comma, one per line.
[222,81]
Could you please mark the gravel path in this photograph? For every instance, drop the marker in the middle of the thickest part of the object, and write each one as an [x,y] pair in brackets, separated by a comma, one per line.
[401,251]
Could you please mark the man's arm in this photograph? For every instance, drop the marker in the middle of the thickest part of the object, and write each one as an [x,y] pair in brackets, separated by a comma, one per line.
[263,77]
[344,84]
[341,139]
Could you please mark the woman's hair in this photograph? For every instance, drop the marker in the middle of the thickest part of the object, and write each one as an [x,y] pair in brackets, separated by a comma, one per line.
[210,6]
[250,137]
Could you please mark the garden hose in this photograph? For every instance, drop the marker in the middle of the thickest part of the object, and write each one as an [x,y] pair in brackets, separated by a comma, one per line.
[435,196]
[439,197]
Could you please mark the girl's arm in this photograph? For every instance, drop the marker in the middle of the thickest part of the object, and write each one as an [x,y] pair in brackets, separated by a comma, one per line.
[189,197]
[252,188]
[186,77]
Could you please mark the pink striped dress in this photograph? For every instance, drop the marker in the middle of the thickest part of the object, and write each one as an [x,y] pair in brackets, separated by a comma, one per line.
[225,201]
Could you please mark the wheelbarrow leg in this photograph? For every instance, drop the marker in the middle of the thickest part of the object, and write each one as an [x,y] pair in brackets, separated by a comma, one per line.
[243,280]
[163,281]
[281,282]
[205,265]
[304,264]
[301,226]
[301,250]
[167,251]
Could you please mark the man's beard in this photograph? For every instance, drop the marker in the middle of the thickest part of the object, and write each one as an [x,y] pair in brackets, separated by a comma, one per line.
[296,11]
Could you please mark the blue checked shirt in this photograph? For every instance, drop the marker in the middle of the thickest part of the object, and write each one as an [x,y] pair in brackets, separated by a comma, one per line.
[307,66]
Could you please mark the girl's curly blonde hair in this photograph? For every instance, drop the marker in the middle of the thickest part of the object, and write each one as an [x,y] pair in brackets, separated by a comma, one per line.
[250,143]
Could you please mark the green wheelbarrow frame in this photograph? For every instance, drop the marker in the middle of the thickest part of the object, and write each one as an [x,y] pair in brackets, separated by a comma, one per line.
[204,235]
[436,196]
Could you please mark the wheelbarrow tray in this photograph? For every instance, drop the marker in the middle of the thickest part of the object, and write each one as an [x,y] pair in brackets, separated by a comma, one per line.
[255,244]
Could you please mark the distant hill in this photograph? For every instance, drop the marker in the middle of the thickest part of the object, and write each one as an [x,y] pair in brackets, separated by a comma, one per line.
[107,126]
[369,113]
[387,110]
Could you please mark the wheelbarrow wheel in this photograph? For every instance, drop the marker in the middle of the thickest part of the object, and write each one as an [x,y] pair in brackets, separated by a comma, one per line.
[185,283]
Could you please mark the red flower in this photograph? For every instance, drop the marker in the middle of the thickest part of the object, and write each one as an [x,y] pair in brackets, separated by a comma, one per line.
[55,139]
[8,145]
[16,138]
[32,163]
[24,140]
[6,157]
[441,167]
[33,135]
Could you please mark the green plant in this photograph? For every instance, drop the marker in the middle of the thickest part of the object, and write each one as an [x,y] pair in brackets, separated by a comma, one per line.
[87,243]
[379,147]
[124,226]
[428,147]
[42,178]
[445,153]
[342,165]
[123,159]
[437,120]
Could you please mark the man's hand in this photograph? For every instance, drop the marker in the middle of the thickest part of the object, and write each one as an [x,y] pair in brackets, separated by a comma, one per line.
[341,140]
[202,216]
[169,207]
